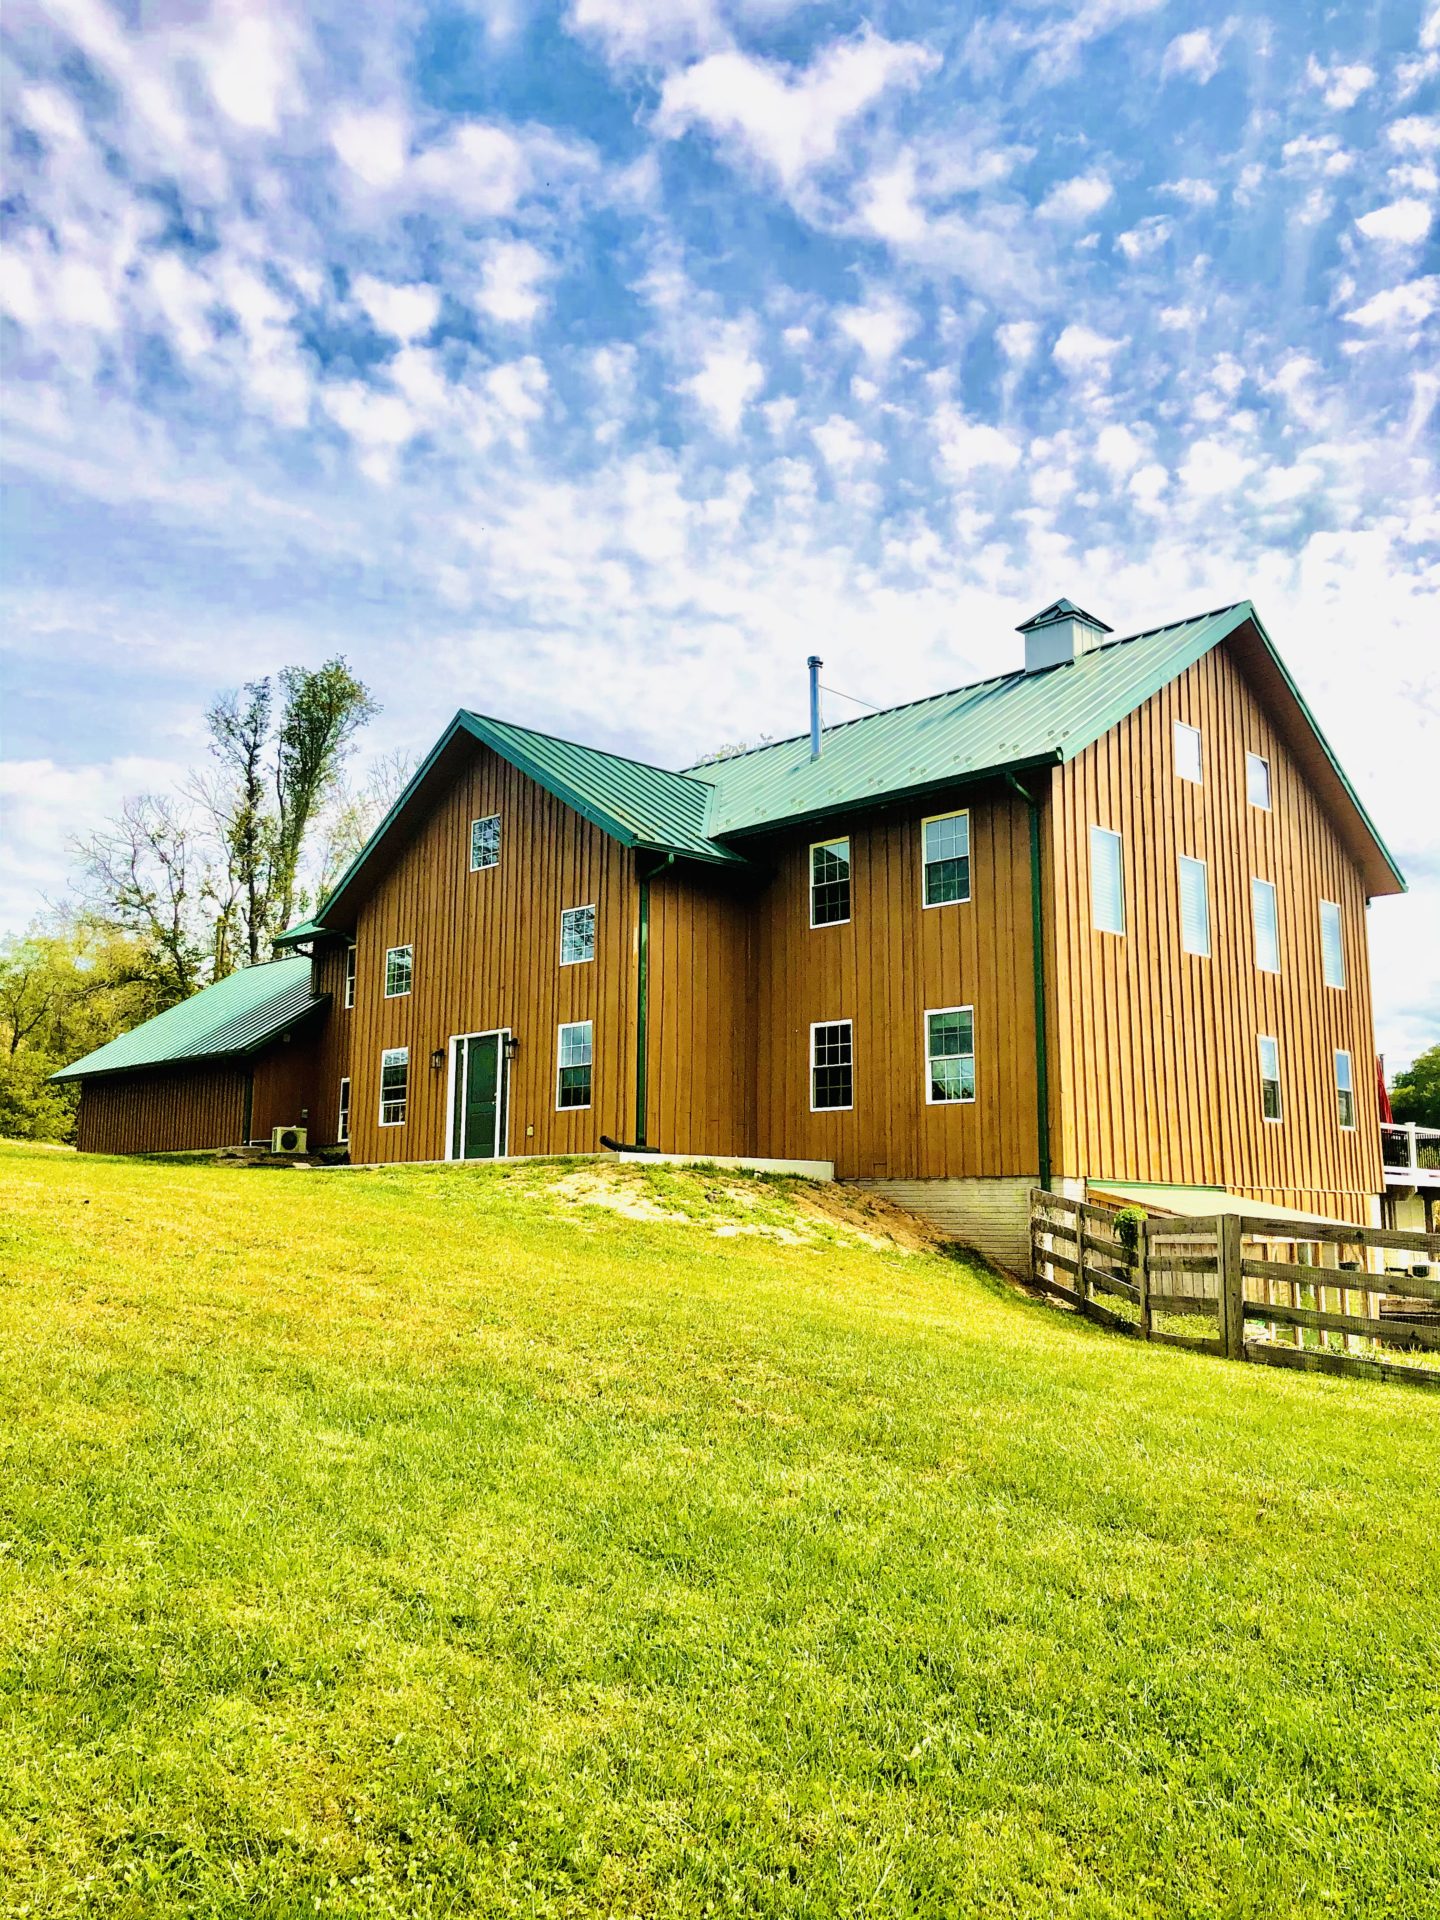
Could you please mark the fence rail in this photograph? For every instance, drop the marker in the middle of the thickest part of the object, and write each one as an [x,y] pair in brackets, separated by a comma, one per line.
[1214,1285]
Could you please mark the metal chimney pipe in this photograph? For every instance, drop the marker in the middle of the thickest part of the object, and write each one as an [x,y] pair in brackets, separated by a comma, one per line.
[814,663]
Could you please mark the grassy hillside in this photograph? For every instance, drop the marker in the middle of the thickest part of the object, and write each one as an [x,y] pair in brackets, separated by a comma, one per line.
[438,1543]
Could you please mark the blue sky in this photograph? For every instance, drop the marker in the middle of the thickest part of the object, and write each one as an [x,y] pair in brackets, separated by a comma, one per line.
[592,365]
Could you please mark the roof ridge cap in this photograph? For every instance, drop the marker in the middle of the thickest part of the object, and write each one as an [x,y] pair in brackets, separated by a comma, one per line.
[584,746]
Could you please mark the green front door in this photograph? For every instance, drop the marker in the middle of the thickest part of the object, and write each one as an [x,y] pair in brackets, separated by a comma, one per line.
[479,1097]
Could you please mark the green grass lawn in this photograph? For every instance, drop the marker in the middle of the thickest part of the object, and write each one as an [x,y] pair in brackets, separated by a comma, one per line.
[407,1543]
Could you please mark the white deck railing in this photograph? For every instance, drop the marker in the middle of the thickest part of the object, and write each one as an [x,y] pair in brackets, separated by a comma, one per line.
[1411,1154]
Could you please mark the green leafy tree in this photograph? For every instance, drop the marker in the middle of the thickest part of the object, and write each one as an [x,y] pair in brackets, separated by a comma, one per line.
[64,991]
[1415,1093]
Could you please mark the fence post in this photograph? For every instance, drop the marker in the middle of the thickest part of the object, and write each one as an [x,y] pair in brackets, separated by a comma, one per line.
[1142,1274]
[1080,1255]
[1232,1285]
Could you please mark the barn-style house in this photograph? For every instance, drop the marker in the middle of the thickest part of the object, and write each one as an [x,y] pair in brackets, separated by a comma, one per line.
[1097,922]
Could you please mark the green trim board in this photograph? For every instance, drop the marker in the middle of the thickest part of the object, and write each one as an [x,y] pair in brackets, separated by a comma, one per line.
[232,1019]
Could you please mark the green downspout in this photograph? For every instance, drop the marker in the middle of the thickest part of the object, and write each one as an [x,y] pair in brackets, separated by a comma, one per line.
[642,1002]
[1037,942]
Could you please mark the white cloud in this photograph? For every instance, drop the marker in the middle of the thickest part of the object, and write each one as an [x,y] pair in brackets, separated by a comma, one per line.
[969,446]
[1195,193]
[841,443]
[790,126]
[1194,54]
[1404,306]
[248,61]
[887,206]
[1404,222]
[373,143]
[1118,450]
[879,329]
[648,30]
[1210,468]
[1149,237]
[1077,199]
[1147,485]
[478,167]
[1081,348]
[406,312]
[51,114]
[82,296]
[1018,340]
[1415,134]
[510,287]
[729,378]
[519,387]
[1341,85]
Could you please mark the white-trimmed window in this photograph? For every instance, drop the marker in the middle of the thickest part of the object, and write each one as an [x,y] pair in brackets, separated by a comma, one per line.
[1332,945]
[394,1085]
[829,883]
[1345,1088]
[573,1064]
[485,842]
[342,1121]
[1107,881]
[949,1055]
[1267,925]
[946,838]
[577,935]
[1194,907]
[1188,760]
[350,975]
[399,971]
[832,1066]
[1257,781]
[1270,1076]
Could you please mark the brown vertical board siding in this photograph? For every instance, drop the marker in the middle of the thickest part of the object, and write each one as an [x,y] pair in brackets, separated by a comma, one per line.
[892,961]
[168,1111]
[331,1054]
[487,955]
[700,1091]
[286,1076]
[1156,1050]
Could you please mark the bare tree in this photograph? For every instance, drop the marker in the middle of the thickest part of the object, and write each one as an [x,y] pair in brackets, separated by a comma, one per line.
[239,735]
[146,875]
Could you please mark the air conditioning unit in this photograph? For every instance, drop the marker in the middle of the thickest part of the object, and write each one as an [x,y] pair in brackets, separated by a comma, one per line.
[288,1140]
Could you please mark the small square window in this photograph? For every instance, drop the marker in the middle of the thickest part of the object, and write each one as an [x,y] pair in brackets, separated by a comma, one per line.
[485,842]
[577,935]
[394,1086]
[1345,1089]
[950,1055]
[1269,1076]
[946,841]
[829,883]
[1257,781]
[832,1066]
[399,971]
[574,1060]
[1187,753]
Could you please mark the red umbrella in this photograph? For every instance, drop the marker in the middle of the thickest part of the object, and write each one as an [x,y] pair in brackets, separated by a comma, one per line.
[1385,1113]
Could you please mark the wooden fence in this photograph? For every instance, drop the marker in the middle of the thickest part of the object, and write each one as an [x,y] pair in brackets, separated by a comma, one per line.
[1214,1285]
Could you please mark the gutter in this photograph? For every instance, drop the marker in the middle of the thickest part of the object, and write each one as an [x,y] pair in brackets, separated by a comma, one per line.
[1037,943]
[642,1000]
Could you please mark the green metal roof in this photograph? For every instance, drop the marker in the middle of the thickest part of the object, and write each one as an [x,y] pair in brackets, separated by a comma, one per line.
[1006,724]
[292,936]
[1015,721]
[641,805]
[234,1017]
